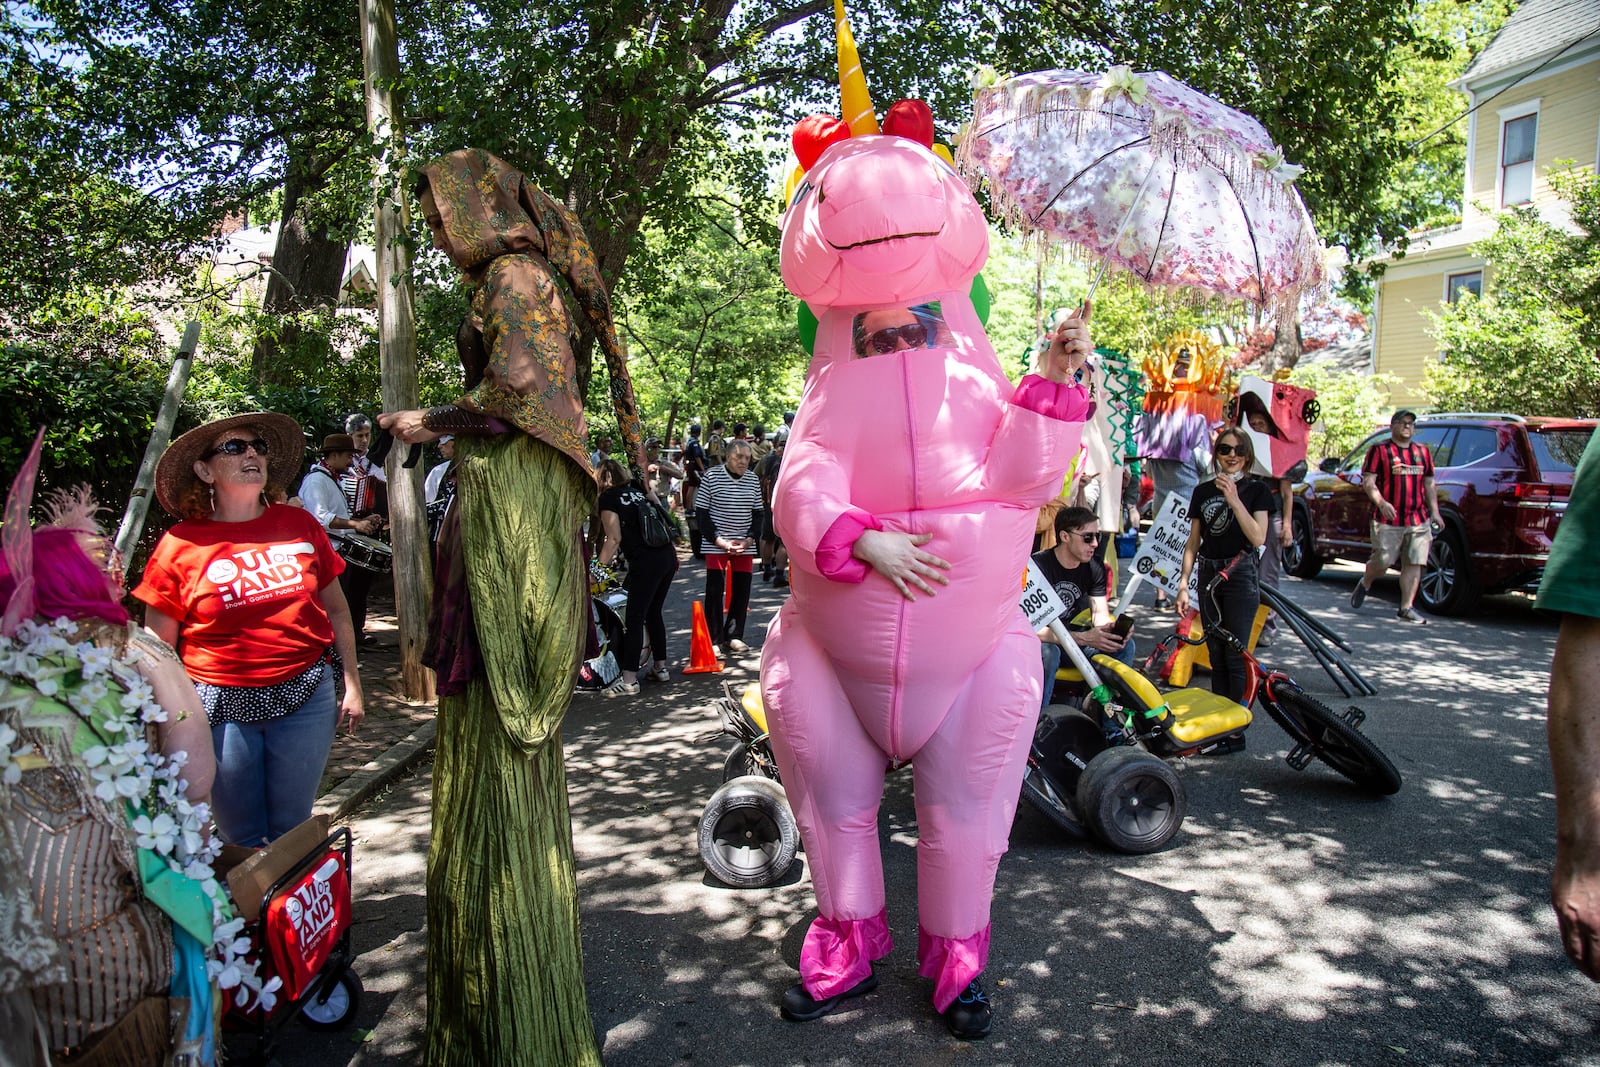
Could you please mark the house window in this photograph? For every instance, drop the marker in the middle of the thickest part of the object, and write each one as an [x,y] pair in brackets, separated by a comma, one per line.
[1516,159]
[1466,282]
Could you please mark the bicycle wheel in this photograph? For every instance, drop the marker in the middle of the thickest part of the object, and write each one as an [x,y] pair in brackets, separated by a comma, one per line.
[1332,740]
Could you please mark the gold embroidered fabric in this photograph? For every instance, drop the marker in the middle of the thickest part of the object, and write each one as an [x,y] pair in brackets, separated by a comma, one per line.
[512,241]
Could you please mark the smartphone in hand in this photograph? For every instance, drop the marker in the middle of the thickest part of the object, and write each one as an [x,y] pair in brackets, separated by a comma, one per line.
[1123,625]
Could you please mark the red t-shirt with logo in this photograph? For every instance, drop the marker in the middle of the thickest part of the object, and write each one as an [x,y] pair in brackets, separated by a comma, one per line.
[1399,471]
[247,595]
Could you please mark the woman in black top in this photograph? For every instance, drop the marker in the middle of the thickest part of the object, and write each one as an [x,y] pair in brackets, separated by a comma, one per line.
[650,572]
[1227,516]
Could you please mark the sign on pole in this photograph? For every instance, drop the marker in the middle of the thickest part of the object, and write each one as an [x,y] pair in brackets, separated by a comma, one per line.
[1160,556]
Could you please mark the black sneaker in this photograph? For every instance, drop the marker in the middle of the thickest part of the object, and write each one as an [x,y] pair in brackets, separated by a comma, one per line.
[798,1007]
[969,1016]
[1358,595]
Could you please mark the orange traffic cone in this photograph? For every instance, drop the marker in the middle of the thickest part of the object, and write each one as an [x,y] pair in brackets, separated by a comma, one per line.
[702,654]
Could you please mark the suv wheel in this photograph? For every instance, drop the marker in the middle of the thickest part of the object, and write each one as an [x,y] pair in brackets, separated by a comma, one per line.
[1300,559]
[1447,587]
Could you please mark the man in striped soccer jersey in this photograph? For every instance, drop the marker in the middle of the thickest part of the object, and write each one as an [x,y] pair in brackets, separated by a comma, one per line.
[1398,479]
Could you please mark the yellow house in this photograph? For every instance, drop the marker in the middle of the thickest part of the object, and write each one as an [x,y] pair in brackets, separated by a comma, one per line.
[1535,95]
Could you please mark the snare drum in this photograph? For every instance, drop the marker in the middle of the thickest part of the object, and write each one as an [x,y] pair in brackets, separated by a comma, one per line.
[368,553]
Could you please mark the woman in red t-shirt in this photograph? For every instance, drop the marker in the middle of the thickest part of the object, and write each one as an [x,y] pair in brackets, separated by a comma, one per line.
[246,590]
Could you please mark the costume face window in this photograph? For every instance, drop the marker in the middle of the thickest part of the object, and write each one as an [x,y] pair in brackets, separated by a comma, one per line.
[877,333]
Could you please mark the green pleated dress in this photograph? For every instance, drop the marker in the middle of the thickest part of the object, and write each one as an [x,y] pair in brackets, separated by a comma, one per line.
[505,961]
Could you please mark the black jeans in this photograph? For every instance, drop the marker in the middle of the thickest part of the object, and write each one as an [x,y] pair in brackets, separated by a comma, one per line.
[1237,600]
[648,582]
[726,628]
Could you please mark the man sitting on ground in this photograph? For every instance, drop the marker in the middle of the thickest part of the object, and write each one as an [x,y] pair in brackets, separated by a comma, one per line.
[1073,568]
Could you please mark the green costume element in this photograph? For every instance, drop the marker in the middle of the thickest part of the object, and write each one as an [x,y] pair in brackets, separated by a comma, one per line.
[505,961]
[1571,580]
[1125,384]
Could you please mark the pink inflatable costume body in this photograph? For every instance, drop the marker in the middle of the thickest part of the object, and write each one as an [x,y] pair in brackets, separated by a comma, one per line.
[935,440]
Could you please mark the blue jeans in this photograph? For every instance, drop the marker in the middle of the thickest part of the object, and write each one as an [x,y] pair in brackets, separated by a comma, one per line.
[268,772]
[1051,655]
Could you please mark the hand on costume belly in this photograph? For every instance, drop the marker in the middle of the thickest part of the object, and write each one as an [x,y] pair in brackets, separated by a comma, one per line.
[900,558]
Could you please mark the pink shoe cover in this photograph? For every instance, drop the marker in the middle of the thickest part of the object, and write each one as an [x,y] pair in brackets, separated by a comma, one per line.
[838,953]
[951,963]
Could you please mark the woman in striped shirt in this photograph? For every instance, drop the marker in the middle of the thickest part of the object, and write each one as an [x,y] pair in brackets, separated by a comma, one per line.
[729,507]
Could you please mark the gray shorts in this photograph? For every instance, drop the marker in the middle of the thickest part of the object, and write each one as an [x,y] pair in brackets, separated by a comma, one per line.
[1408,544]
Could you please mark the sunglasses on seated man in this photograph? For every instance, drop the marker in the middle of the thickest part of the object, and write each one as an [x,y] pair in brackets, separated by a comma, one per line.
[236,446]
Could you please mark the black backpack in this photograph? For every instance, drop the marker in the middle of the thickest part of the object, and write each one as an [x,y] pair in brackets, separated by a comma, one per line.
[655,528]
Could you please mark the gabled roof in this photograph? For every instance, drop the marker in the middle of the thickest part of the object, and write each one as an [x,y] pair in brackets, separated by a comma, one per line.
[1536,30]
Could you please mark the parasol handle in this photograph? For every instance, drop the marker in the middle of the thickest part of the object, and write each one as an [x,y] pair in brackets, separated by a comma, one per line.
[1138,198]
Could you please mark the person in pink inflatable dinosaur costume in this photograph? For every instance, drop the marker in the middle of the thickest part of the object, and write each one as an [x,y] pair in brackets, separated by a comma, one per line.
[907,502]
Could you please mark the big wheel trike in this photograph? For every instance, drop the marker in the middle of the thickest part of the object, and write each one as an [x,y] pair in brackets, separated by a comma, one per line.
[1100,770]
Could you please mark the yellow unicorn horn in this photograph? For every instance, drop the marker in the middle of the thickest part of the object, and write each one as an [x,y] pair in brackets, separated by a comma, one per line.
[853,97]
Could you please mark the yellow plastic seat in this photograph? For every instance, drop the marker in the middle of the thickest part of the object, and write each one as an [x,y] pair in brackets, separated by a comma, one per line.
[1196,714]
[753,707]
[1199,714]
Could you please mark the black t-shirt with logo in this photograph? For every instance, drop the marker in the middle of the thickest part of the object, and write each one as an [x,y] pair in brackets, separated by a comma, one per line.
[1074,585]
[1220,534]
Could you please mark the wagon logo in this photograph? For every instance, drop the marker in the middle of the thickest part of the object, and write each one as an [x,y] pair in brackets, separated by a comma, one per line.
[310,909]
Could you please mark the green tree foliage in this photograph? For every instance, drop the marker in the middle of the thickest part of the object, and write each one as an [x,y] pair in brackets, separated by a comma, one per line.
[1532,344]
[714,335]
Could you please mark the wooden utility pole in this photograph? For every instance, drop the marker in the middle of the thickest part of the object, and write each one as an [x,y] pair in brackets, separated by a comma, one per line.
[160,436]
[397,339]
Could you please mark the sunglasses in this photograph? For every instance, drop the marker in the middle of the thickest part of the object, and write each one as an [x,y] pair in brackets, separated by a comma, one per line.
[1229,450]
[236,446]
[1089,538]
[915,335]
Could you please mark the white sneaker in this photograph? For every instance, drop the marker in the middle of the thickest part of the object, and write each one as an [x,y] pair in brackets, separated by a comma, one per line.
[659,674]
[621,688]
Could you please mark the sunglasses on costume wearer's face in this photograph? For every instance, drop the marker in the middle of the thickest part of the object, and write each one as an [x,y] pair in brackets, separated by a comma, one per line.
[236,446]
[914,334]
[1226,449]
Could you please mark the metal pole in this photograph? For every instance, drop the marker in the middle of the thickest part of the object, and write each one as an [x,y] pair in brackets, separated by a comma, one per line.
[160,435]
[1138,199]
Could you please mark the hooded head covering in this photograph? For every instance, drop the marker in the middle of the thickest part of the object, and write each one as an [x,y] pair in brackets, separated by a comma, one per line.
[501,230]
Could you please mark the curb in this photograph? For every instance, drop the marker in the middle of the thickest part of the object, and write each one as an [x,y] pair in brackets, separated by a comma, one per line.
[355,790]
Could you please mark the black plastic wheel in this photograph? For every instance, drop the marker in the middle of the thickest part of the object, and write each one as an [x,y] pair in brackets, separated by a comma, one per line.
[335,1007]
[1447,587]
[1067,739]
[739,763]
[748,835]
[1333,741]
[1300,558]
[1050,802]
[1131,800]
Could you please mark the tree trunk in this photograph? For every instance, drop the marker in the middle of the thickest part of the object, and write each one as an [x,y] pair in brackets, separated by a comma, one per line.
[397,342]
[1285,350]
[307,269]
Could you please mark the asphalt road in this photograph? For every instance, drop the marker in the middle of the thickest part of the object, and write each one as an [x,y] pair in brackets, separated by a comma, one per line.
[1293,921]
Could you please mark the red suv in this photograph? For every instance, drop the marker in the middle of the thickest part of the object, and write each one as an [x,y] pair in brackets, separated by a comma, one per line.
[1503,483]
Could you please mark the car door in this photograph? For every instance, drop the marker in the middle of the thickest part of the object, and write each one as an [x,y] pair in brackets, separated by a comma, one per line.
[1342,505]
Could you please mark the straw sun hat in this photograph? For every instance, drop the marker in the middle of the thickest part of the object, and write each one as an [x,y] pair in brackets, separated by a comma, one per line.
[175,472]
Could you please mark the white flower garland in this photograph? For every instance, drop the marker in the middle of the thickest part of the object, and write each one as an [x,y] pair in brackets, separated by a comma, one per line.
[131,771]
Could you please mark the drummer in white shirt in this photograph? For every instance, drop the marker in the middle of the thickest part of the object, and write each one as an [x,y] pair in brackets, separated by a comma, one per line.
[322,495]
